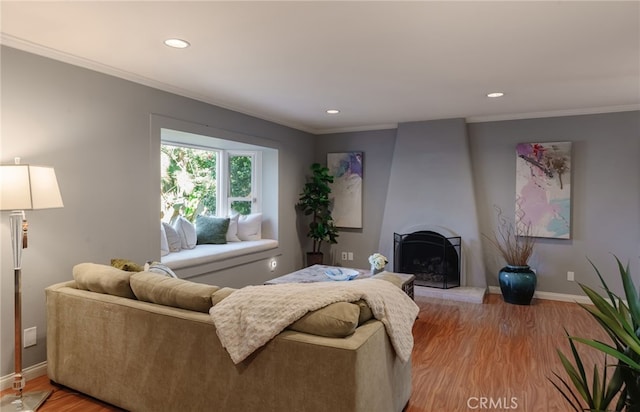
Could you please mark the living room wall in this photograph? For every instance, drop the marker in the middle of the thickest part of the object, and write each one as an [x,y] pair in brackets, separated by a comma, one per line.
[605,192]
[377,146]
[94,129]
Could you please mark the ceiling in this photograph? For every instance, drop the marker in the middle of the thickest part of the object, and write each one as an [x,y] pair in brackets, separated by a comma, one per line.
[379,63]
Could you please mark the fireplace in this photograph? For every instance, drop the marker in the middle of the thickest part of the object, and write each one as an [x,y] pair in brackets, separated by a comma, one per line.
[433,259]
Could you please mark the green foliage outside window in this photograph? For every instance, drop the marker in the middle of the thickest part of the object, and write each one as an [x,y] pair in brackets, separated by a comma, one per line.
[189,182]
[240,171]
[239,176]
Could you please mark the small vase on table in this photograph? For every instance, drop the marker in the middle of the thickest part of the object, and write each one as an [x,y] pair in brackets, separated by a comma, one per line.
[378,262]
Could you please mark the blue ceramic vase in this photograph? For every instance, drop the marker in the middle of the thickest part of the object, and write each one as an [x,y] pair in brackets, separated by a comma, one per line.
[518,284]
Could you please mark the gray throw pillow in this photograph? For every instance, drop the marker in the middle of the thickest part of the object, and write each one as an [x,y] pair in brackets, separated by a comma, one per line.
[212,230]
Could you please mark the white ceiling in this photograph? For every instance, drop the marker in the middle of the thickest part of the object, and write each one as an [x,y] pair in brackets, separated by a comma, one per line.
[380,63]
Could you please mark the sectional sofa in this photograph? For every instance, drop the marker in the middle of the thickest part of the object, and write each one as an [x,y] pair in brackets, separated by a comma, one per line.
[146,343]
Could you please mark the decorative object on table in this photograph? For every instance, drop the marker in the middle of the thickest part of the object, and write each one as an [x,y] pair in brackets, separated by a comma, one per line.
[620,318]
[543,188]
[341,274]
[24,187]
[377,262]
[515,244]
[346,189]
[314,202]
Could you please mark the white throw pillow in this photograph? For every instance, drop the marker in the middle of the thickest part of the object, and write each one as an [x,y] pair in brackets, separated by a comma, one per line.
[164,244]
[232,232]
[157,267]
[187,232]
[250,226]
[173,238]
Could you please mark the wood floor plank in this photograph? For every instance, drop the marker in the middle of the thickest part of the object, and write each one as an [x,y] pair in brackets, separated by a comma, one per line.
[504,353]
[464,353]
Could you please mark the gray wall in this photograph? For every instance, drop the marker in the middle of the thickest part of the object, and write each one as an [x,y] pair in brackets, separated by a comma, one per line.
[431,188]
[94,130]
[377,146]
[605,193]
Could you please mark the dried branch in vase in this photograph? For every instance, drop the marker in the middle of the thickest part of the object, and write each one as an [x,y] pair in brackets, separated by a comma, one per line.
[514,241]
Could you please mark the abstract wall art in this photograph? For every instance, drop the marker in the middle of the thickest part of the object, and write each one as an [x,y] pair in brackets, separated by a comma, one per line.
[543,189]
[346,190]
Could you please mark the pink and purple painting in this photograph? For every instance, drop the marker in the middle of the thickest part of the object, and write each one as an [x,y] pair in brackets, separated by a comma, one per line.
[543,189]
[346,190]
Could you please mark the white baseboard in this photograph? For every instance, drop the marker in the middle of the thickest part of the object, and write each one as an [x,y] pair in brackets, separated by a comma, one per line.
[29,373]
[563,297]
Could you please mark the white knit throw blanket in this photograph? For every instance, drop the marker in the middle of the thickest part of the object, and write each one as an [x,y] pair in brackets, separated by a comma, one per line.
[250,317]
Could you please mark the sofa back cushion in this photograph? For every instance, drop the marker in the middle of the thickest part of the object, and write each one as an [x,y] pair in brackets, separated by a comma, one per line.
[103,279]
[337,320]
[177,293]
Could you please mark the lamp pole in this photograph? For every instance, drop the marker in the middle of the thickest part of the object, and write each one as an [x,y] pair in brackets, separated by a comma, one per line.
[24,187]
[17,217]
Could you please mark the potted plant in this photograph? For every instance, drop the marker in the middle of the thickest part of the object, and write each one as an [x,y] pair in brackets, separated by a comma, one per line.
[515,243]
[314,201]
[621,321]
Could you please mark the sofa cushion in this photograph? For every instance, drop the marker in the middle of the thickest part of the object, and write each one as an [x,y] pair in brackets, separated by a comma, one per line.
[177,293]
[365,311]
[220,294]
[157,267]
[126,264]
[103,279]
[337,320]
[212,230]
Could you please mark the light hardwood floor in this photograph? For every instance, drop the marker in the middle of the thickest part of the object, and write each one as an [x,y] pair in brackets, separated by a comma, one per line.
[465,354]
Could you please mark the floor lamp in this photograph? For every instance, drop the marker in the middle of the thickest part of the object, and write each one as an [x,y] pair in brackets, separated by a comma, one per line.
[24,187]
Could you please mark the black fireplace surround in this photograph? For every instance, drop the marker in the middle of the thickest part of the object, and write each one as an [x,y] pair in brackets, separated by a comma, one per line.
[433,259]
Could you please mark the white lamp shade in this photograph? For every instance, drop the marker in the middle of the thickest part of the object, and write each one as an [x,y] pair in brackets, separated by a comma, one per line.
[25,187]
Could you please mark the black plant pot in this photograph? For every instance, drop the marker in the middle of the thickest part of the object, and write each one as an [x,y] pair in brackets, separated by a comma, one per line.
[314,258]
[518,284]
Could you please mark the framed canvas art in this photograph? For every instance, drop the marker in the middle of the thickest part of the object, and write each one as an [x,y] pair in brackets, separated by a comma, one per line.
[346,190]
[543,189]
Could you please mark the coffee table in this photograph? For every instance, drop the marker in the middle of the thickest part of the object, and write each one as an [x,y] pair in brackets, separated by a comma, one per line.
[315,273]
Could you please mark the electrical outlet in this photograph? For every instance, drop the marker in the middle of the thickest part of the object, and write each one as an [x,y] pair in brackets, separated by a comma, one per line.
[29,337]
[344,255]
[349,255]
[570,276]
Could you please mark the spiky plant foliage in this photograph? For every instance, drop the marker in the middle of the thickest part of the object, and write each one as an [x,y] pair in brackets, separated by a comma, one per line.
[621,321]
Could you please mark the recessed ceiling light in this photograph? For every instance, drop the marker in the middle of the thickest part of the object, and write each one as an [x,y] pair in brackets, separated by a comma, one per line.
[177,43]
[495,94]
[333,111]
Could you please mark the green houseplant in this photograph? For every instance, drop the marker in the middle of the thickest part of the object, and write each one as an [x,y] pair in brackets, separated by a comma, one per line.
[621,321]
[314,201]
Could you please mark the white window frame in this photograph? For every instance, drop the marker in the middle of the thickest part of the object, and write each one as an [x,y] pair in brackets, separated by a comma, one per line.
[256,189]
[223,200]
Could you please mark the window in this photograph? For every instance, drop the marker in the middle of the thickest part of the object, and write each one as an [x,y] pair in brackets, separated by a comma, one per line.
[242,183]
[208,181]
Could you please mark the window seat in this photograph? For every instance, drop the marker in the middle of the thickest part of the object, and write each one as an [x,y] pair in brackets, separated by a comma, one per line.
[205,254]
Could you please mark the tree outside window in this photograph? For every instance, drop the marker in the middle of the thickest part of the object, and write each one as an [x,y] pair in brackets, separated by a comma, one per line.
[191,182]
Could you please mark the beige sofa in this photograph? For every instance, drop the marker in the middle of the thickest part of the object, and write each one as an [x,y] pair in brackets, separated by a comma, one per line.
[144,356]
